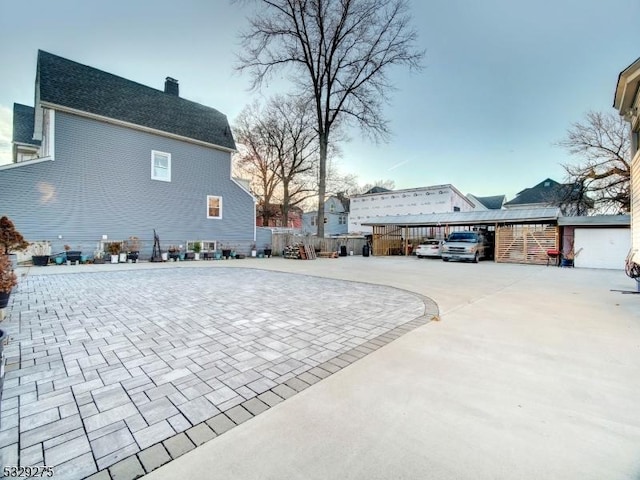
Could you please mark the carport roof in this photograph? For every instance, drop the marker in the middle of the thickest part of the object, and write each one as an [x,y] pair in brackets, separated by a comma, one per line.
[530,215]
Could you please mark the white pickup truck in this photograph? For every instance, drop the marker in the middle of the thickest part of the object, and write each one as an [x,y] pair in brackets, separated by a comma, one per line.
[470,246]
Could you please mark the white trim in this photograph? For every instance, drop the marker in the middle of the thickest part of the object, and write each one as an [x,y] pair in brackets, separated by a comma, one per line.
[220,207]
[153,165]
[52,135]
[26,162]
[135,126]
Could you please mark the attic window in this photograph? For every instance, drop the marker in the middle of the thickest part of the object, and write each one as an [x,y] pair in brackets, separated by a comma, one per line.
[160,166]
[547,183]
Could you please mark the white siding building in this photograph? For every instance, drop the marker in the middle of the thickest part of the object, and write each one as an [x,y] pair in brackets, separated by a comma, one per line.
[627,102]
[367,208]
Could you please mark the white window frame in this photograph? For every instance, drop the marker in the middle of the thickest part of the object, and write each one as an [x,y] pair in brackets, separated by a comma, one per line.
[220,206]
[153,158]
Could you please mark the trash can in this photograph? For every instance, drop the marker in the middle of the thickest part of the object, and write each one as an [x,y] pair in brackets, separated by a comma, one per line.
[365,250]
[343,250]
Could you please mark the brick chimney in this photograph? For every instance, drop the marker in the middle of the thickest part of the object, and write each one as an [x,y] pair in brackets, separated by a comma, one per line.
[171,86]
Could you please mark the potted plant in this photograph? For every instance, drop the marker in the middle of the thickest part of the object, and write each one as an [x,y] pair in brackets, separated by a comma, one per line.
[11,240]
[226,251]
[133,247]
[8,280]
[254,252]
[41,253]
[197,248]
[114,251]
[72,256]
[267,250]
[67,248]
[174,252]
[98,256]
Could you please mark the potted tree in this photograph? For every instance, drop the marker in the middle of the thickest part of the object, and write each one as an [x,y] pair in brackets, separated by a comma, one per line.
[11,240]
[197,248]
[133,247]
[8,280]
[98,256]
[114,251]
[41,253]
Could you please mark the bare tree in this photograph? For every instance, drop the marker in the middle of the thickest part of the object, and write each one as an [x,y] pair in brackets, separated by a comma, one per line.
[293,138]
[601,178]
[257,158]
[339,52]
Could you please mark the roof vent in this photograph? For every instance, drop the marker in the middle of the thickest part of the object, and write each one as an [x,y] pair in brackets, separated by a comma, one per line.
[171,86]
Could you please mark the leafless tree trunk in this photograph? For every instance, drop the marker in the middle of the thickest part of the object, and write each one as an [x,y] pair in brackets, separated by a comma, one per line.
[603,172]
[339,53]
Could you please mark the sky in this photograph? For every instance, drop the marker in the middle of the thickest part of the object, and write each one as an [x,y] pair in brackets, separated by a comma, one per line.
[502,81]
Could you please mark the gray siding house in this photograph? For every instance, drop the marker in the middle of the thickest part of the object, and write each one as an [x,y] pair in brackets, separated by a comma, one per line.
[336,210]
[101,158]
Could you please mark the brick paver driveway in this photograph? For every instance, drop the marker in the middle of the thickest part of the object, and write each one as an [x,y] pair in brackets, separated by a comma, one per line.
[118,372]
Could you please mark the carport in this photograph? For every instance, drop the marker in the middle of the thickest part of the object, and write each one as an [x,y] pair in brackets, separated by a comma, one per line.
[519,235]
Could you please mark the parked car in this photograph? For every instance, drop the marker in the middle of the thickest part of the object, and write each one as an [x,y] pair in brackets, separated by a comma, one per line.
[429,248]
[471,246]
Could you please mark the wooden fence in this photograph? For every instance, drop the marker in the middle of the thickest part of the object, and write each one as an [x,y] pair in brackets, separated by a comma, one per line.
[282,240]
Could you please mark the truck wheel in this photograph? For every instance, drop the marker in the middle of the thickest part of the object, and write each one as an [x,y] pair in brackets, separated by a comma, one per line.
[476,258]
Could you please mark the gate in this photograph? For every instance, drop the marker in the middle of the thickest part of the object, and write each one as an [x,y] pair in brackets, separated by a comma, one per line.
[525,243]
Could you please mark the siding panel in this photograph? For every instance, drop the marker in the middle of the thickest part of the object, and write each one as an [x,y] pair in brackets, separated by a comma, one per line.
[100,183]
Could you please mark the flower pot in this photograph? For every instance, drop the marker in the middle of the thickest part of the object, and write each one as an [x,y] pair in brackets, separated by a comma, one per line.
[254,253]
[4,299]
[226,253]
[267,252]
[165,256]
[196,256]
[123,257]
[132,257]
[59,260]
[114,258]
[40,260]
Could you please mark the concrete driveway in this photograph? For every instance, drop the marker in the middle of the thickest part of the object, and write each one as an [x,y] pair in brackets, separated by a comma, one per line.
[532,373]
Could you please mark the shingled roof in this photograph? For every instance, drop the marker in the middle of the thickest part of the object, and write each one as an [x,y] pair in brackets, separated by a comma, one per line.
[547,191]
[494,202]
[69,84]
[23,125]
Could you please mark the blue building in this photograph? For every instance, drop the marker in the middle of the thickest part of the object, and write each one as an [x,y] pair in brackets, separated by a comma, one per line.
[101,158]
[336,211]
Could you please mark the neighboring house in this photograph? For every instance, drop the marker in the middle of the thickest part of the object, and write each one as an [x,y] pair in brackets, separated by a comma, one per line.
[494,202]
[549,193]
[336,211]
[627,102]
[368,207]
[275,217]
[102,158]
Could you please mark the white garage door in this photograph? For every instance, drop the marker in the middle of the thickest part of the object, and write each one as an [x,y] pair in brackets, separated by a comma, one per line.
[602,247]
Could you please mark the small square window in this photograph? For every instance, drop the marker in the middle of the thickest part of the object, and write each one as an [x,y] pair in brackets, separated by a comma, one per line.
[214,207]
[160,166]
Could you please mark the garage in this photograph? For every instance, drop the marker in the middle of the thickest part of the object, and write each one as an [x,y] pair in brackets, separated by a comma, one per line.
[601,241]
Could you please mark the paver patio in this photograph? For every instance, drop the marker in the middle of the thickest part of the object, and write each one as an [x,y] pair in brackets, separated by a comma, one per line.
[119,372]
